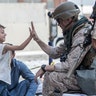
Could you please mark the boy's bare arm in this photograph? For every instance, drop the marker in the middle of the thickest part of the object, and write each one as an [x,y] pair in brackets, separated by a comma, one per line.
[21,46]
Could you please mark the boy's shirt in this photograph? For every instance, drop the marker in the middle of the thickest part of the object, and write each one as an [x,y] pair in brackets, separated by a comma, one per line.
[5,69]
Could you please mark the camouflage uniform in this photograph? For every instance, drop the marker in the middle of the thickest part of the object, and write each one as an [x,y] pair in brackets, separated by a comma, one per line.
[94,33]
[63,77]
[59,79]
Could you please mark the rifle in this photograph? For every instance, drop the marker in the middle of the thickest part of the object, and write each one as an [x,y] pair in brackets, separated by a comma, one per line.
[87,41]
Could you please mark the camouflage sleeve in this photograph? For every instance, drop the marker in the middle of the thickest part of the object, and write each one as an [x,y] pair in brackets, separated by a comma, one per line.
[76,54]
[57,51]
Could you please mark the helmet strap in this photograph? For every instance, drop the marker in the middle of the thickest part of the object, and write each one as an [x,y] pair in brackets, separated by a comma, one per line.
[73,20]
[68,24]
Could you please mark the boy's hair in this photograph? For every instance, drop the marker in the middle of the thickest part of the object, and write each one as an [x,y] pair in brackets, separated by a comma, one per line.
[1,26]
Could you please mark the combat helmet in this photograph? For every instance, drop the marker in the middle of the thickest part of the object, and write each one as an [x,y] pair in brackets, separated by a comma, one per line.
[65,10]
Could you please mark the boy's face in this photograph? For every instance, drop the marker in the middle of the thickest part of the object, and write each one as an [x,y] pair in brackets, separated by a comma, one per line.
[2,35]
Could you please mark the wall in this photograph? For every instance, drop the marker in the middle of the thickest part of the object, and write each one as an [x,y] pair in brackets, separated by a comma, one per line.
[85,6]
[16,17]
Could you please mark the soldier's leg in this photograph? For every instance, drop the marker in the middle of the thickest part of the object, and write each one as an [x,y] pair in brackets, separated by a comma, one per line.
[62,83]
[47,88]
[56,80]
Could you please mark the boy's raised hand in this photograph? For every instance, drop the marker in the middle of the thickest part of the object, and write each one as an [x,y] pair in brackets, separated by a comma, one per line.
[33,32]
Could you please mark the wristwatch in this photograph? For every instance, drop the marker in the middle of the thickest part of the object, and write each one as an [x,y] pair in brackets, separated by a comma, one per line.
[43,67]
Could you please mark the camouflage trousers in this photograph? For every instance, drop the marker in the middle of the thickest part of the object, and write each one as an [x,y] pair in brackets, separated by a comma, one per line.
[59,81]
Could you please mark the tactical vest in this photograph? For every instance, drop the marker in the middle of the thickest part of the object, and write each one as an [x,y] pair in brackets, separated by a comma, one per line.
[90,54]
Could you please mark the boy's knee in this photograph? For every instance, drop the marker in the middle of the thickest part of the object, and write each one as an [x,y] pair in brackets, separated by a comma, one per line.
[25,83]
